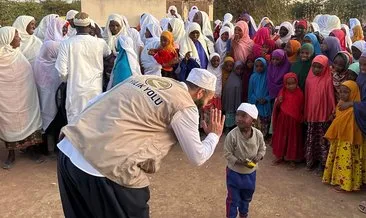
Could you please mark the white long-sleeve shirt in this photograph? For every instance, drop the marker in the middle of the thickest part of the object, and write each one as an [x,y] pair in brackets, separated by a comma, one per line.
[185,126]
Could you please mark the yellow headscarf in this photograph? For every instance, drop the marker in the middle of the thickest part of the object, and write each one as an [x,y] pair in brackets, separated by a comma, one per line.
[169,36]
[344,127]
[357,33]
[225,74]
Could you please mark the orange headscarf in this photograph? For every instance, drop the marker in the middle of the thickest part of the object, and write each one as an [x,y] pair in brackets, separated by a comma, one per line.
[295,48]
[243,47]
[344,127]
[169,36]
[357,33]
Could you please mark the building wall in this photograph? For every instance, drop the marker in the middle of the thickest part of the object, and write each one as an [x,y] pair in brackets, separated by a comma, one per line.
[184,6]
[99,10]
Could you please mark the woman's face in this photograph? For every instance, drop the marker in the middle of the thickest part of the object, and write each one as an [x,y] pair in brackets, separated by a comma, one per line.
[339,64]
[194,35]
[317,68]
[238,33]
[225,36]
[283,31]
[31,27]
[115,27]
[259,66]
[356,53]
[344,93]
[16,41]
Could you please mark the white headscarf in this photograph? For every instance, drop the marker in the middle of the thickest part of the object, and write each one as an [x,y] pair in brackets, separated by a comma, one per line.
[187,45]
[169,15]
[42,26]
[192,12]
[19,106]
[155,31]
[315,27]
[221,46]
[261,24]
[290,29]
[30,44]
[127,44]
[348,36]
[352,23]
[178,29]
[360,45]
[206,25]
[217,72]
[217,23]
[107,34]
[71,14]
[327,23]
[228,22]
[54,30]
[164,23]
[148,62]
[145,20]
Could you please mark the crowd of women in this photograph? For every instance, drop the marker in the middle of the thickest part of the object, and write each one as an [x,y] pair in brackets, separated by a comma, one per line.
[307,79]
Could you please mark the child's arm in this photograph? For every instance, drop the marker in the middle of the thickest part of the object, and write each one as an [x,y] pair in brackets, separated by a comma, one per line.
[261,149]
[229,149]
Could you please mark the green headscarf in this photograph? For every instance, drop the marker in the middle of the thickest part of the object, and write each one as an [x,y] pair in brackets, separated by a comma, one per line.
[301,68]
[355,67]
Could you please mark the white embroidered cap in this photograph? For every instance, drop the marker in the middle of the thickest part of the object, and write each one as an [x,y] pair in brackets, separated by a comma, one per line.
[250,109]
[82,19]
[203,79]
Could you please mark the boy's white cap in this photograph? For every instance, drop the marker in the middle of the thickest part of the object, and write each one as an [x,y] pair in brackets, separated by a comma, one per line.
[202,78]
[250,109]
[71,14]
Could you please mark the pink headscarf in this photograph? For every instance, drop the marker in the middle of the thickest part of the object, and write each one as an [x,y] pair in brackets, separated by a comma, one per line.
[243,47]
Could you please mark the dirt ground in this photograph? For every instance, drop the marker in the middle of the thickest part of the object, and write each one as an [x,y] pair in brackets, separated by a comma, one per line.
[182,190]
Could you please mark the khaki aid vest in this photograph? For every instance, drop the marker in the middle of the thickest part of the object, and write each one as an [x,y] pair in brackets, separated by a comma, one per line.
[128,126]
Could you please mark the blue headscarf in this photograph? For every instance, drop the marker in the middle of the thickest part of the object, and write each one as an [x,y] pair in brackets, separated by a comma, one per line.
[258,89]
[122,69]
[315,42]
[360,107]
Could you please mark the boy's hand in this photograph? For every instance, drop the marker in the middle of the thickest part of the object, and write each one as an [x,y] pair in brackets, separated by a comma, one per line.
[257,158]
[241,163]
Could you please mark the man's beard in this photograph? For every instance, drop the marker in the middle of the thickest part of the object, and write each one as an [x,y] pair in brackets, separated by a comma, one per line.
[199,103]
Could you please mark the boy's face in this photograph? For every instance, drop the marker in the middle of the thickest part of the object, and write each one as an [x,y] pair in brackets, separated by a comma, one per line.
[356,53]
[215,61]
[243,120]
[351,75]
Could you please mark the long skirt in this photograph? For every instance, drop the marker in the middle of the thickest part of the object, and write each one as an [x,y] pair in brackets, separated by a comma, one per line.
[34,139]
[344,166]
[287,140]
[316,146]
[84,195]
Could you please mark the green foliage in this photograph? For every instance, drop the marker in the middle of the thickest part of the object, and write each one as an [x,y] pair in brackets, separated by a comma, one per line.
[10,10]
[281,10]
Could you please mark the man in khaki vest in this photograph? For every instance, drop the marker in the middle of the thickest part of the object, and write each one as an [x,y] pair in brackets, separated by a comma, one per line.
[123,135]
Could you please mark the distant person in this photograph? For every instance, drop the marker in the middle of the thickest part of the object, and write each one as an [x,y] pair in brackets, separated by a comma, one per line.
[80,63]
[30,44]
[20,117]
[42,26]
[173,12]
[244,147]
[70,18]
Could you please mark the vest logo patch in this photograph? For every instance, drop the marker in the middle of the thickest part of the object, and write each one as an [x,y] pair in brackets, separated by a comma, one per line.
[159,84]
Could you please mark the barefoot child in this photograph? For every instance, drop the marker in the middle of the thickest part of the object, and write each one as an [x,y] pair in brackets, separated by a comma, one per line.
[344,166]
[287,141]
[259,95]
[244,147]
[166,55]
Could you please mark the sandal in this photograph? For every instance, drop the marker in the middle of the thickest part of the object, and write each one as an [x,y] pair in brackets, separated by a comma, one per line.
[362,207]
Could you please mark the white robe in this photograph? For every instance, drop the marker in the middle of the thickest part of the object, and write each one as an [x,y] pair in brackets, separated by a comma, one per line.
[80,61]
[148,62]
[30,44]
[19,106]
[178,29]
[221,46]
[47,81]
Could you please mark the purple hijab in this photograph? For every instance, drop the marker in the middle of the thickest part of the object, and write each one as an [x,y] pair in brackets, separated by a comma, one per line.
[250,25]
[360,107]
[275,73]
[334,46]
